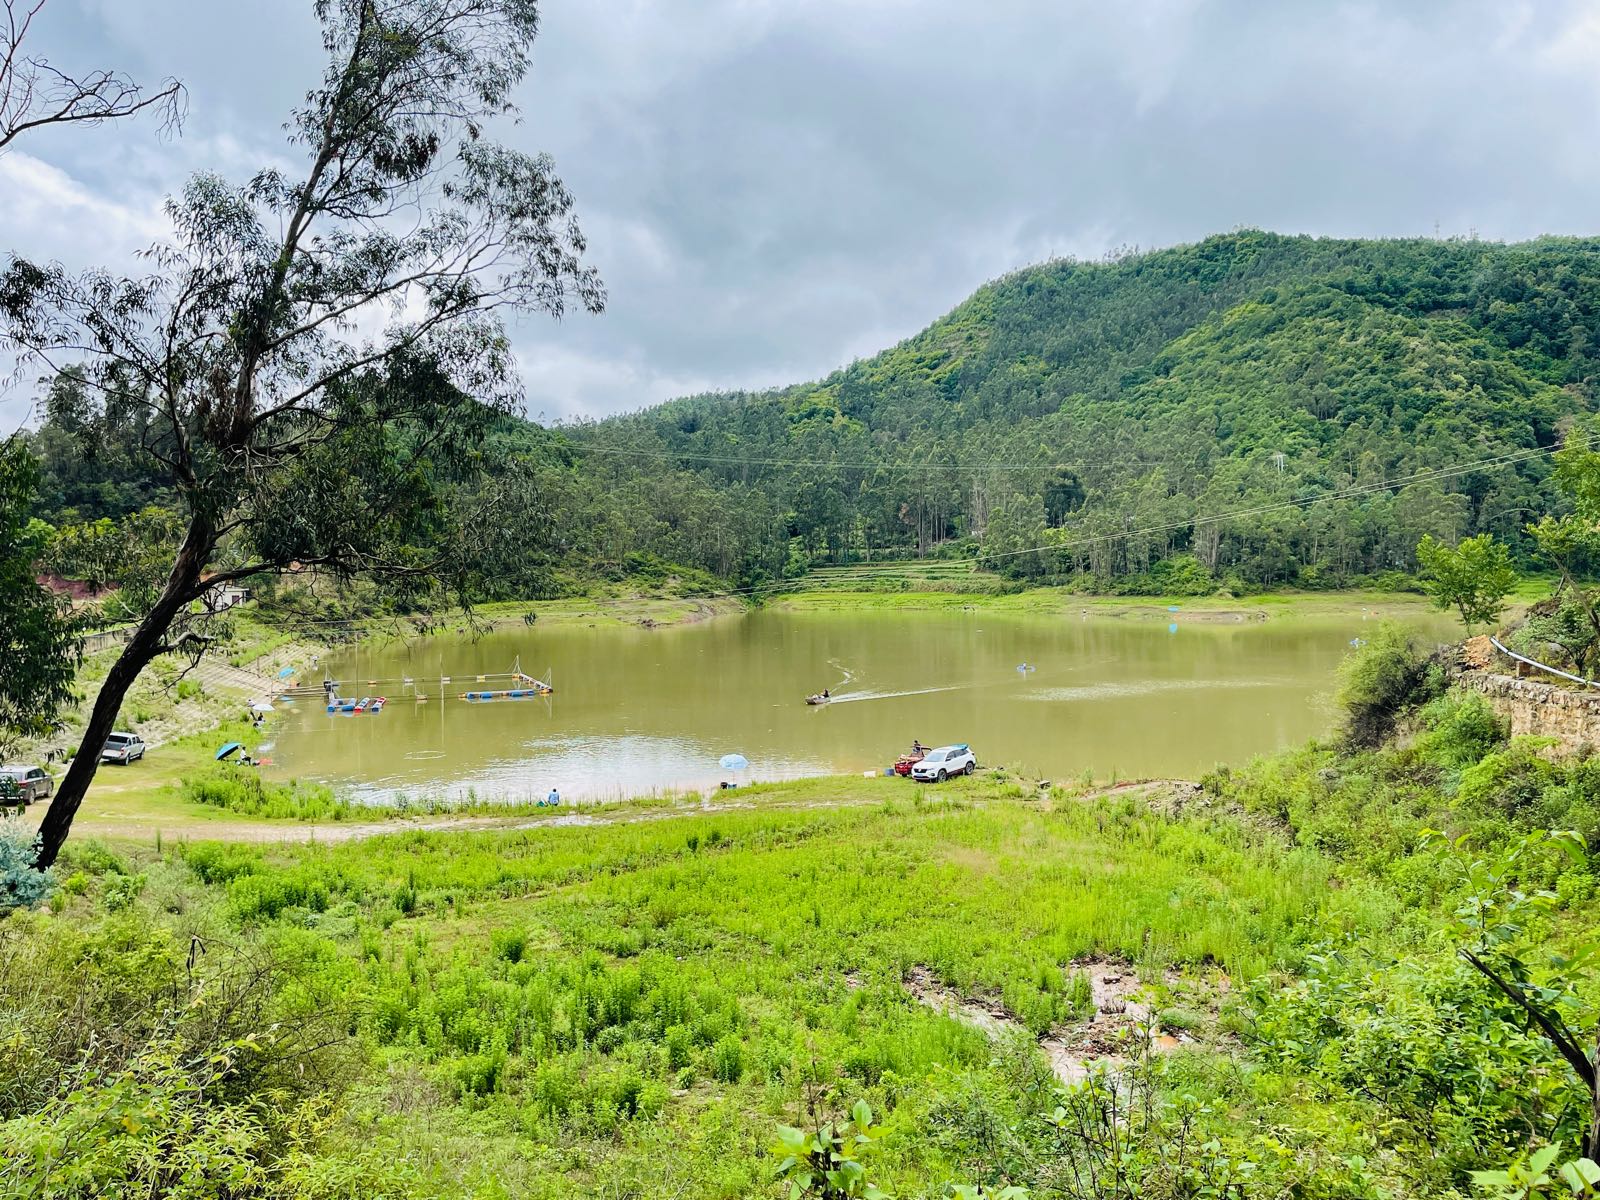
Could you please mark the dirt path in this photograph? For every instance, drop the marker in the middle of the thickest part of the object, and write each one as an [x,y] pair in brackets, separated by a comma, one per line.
[304,833]
[1160,793]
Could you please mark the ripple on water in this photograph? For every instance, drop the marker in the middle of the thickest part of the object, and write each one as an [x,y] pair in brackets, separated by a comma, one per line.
[1112,689]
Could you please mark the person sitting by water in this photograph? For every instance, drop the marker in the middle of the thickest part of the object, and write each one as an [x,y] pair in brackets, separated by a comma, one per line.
[553,799]
[917,747]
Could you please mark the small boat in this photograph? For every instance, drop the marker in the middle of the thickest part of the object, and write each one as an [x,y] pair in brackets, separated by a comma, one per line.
[377,705]
[819,698]
[361,704]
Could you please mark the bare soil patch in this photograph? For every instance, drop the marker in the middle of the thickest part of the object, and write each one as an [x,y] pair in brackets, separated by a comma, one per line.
[1123,1018]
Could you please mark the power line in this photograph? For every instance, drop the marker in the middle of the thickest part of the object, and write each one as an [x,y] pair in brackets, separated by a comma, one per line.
[1506,458]
[728,460]
[1502,460]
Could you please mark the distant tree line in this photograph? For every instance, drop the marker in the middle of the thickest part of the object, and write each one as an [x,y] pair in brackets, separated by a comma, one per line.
[1252,411]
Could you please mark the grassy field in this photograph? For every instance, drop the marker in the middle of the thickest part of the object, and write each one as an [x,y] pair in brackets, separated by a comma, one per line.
[1249,991]
[1059,602]
[930,584]
[632,1008]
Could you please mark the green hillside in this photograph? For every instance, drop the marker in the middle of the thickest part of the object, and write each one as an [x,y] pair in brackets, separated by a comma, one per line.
[1082,422]
[1081,401]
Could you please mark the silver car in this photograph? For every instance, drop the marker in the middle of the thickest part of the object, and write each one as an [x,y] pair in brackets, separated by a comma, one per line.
[122,748]
[33,783]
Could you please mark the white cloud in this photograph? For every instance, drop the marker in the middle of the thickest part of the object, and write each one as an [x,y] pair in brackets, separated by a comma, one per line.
[49,214]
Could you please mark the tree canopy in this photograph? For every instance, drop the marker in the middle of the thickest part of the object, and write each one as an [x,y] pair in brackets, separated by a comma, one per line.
[307,372]
[1280,410]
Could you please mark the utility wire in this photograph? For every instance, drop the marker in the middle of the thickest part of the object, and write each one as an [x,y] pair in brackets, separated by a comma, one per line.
[1506,458]
[959,468]
[1283,505]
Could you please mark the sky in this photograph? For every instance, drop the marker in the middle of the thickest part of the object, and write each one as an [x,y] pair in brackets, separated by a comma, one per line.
[772,188]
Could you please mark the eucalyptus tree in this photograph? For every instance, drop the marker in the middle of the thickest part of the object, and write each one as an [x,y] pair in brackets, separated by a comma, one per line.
[36,93]
[321,350]
[37,636]
[38,650]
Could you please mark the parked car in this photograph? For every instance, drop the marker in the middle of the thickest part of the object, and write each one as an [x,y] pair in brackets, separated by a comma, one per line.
[32,783]
[122,748]
[939,764]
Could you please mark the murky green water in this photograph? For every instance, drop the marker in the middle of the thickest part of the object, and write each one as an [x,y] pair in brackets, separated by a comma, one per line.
[642,710]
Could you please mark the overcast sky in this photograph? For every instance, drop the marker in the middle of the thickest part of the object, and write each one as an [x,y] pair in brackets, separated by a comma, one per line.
[774,187]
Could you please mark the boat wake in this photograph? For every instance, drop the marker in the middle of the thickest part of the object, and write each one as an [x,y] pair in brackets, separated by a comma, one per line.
[856,697]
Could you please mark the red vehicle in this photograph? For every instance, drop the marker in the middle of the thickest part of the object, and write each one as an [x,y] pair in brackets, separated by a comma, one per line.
[903,764]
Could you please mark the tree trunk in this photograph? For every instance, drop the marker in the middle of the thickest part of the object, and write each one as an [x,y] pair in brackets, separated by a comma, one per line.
[1591,1144]
[148,640]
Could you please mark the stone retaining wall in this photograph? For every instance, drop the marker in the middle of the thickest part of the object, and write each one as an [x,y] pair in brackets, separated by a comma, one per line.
[1570,715]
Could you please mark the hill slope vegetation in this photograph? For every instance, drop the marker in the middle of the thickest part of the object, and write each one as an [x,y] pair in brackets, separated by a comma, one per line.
[1069,403]
[1251,411]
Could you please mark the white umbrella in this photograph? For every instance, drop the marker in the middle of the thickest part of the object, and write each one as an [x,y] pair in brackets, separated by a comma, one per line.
[261,706]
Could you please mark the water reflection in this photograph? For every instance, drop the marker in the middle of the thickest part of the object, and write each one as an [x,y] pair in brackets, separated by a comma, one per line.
[639,710]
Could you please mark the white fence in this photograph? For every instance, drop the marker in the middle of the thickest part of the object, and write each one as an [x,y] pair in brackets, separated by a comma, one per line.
[1541,666]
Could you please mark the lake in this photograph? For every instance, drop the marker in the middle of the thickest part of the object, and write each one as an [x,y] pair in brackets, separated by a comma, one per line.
[642,710]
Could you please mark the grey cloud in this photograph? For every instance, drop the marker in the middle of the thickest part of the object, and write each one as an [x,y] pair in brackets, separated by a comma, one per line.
[772,188]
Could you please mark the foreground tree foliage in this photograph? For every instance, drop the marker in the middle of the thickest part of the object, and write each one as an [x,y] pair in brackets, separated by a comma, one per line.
[289,436]
[38,648]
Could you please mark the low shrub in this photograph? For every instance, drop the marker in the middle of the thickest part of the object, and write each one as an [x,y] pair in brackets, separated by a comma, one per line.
[243,790]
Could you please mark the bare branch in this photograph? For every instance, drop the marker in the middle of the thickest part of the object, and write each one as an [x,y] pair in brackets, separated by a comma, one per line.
[34,93]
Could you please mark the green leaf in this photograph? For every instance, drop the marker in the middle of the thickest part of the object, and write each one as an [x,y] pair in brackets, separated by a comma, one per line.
[1581,1175]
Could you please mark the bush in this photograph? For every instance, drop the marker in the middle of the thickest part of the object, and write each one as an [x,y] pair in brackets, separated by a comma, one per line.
[1381,680]
[1458,731]
[20,885]
[727,1060]
[213,862]
[509,944]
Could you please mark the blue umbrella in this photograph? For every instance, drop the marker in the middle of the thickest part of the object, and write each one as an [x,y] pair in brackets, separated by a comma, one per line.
[223,752]
[735,762]
[285,673]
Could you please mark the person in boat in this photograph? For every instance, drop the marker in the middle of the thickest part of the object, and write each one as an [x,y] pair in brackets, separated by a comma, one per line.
[825,695]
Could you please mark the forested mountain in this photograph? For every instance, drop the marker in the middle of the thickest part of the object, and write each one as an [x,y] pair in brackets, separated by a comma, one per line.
[1069,403]
[1321,396]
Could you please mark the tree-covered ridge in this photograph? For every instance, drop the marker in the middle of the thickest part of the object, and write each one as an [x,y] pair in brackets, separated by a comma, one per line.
[1071,420]
[1081,400]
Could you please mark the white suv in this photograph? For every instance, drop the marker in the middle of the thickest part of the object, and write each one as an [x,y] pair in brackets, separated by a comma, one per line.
[938,765]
